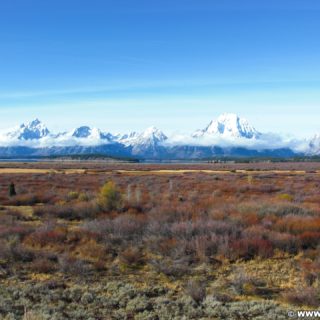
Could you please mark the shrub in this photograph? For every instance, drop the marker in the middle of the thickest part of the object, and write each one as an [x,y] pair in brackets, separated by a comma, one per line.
[196,290]
[284,241]
[127,227]
[43,265]
[203,247]
[18,232]
[250,248]
[29,199]
[18,215]
[15,252]
[242,283]
[88,248]
[309,239]
[72,195]
[99,265]
[110,197]
[84,197]
[173,268]
[298,224]
[131,256]
[286,197]
[307,296]
[85,210]
[30,315]
[68,212]
[72,265]
[283,210]
[310,270]
[42,238]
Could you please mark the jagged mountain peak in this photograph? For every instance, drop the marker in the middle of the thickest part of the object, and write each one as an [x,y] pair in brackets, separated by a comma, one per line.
[226,132]
[35,122]
[147,142]
[82,132]
[32,130]
[153,132]
[229,125]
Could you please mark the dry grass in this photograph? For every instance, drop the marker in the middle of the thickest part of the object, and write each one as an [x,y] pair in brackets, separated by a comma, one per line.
[178,227]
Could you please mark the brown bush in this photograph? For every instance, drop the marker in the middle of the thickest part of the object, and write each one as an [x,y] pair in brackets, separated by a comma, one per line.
[43,265]
[242,282]
[15,252]
[30,199]
[71,265]
[284,241]
[132,256]
[17,231]
[310,270]
[85,210]
[172,268]
[196,290]
[296,224]
[42,238]
[250,248]
[307,296]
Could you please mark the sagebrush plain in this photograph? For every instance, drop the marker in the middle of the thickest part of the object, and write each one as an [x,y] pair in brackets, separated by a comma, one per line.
[92,240]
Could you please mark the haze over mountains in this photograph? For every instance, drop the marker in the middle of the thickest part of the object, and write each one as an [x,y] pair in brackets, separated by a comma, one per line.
[228,135]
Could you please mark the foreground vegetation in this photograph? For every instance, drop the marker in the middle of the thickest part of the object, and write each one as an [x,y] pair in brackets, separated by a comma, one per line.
[107,244]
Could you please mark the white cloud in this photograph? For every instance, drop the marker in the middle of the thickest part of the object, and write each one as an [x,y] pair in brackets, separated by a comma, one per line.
[52,141]
[265,141]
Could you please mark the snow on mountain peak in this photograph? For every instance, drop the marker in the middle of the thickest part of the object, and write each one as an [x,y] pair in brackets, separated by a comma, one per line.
[147,140]
[29,131]
[154,133]
[229,125]
[82,132]
[85,132]
[34,123]
[228,130]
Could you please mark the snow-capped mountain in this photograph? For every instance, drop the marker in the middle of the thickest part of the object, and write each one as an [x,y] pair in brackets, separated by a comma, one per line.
[228,135]
[85,132]
[29,131]
[146,142]
[82,132]
[229,125]
[150,137]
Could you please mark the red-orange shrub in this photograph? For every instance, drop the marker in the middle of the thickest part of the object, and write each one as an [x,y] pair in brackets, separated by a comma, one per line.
[44,238]
[249,248]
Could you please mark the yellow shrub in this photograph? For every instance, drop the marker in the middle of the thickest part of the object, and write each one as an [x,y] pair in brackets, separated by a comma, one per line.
[286,197]
[110,198]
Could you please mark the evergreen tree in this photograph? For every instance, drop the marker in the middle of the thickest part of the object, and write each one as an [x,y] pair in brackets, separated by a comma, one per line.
[12,190]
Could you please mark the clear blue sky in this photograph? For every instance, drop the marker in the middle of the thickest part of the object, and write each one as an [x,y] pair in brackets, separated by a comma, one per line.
[126,64]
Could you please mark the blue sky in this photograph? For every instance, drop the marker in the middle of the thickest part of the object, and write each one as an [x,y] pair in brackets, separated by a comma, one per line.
[123,65]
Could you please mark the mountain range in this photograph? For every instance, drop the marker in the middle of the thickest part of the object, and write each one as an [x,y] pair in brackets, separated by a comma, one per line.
[228,135]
